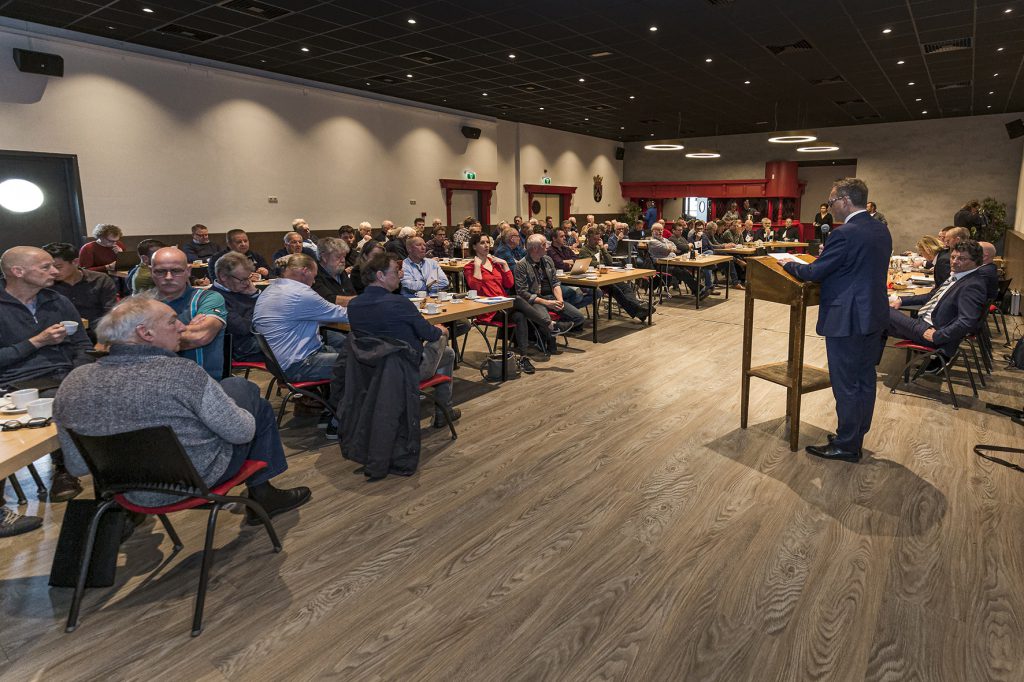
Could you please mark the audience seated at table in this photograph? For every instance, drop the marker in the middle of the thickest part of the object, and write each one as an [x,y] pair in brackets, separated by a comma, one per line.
[748,233]
[562,255]
[617,244]
[238,241]
[202,311]
[767,233]
[732,214]
[659,247]
[420,273]
[509,247]
[593,249]
[347,234]
[791,231]
[219,424]
[140,277]
[461,236]
[365,235]
[439,246]
[491,276]
[369,249]
[720,237]
[309,240]
[234,283]
[36,350]
[288,314]
[332,282]
[293,243]
[928,248]
[101,255]
[950,311]
[539,293]
[396,242]
[200,248]
[639,230]
[379,312]
[92,293]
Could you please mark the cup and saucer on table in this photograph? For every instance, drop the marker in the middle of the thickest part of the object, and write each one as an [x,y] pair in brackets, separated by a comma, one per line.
[16,402]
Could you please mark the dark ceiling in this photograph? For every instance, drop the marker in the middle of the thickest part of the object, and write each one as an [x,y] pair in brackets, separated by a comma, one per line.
[809,63]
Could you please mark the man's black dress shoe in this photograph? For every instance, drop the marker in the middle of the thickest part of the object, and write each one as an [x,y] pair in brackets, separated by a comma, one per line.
[830,451]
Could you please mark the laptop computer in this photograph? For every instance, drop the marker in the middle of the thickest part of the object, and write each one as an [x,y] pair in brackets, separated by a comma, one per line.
[579,266]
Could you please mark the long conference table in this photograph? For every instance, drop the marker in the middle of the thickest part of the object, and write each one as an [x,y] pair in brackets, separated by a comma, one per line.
[698,264]
[613,276]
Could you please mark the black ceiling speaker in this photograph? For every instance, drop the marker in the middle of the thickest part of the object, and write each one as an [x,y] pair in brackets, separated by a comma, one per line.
[39,62]
[1015,129]
[471,133]
[620,153]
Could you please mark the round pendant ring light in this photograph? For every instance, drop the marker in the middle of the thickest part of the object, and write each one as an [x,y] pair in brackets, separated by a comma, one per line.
[664,147]
[792,139]
[821,147]
[703,155]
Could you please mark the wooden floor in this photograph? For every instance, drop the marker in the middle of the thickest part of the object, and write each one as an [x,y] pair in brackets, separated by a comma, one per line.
[623,528]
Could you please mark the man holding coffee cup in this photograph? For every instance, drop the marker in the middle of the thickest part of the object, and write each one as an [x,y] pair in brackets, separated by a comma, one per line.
[41,338]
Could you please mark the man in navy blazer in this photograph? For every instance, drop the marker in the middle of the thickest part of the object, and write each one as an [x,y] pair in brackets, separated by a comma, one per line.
[852,314]
[950,312]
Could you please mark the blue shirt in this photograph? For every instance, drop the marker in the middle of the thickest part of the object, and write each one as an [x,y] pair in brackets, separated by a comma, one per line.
[510,256]
[288,314]
[191,303]
[416,275]
[381,313]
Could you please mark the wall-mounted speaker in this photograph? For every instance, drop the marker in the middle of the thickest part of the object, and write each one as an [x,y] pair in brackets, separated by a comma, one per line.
[1015,129]
[39,62]
[471,133]
[620,153]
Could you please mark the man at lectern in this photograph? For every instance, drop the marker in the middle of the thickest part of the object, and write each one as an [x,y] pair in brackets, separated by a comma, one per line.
[853,312]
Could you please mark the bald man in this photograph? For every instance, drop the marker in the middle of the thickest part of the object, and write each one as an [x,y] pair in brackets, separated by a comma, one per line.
[989,271]
[36,350]
[202,311]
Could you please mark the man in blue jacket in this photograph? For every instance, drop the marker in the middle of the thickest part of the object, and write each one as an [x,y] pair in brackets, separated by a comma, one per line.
[853,313]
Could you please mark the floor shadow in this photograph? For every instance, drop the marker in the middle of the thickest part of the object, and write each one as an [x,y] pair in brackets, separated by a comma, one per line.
[874,497]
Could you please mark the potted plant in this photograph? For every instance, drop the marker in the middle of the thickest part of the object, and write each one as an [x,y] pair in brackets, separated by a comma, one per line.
[995,229]
[634,212]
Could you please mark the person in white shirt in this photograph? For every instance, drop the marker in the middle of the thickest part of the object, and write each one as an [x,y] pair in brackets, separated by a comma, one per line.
[420,273]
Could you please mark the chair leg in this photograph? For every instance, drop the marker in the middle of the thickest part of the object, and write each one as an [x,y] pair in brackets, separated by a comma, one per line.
[970,374]
[281,409]
[246,372]
[204,572]
[40,486]
[17,489]
[258,509]
[949,382]
[170,531]
[977,361]
[83,572]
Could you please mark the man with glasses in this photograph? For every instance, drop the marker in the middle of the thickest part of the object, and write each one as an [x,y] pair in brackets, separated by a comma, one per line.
[202,311]
[853,313]
[240,293]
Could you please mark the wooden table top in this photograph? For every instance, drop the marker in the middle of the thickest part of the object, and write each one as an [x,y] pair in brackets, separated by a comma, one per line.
[458,266]
[24,446]
[902,279]
[450,312]
[785,245]
[612,277]
[699,262]
[738,250]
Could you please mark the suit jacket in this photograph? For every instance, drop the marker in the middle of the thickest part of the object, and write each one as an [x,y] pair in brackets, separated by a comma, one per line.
[941,267]
[959,311]
[852,272]
[990,273]
[766,235]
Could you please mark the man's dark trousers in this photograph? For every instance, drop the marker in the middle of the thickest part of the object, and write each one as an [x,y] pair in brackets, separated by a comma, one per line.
[851,367]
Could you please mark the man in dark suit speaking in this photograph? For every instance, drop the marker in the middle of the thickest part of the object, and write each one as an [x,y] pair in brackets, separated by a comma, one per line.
[853,313]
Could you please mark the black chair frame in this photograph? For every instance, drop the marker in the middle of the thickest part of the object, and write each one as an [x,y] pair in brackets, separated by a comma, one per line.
[276,371]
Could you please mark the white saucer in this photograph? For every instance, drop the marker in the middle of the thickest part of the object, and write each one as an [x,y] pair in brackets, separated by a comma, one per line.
[13,410]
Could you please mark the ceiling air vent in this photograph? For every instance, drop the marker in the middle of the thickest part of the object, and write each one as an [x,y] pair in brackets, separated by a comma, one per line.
[254,8]
[428,57]
[959,85]
[867,117]
[599,107]
[798,46]
[529,87]
[844,102]
[185,32]
[951,45]
[504,107]
[831,80]
[721,3]
[650,121]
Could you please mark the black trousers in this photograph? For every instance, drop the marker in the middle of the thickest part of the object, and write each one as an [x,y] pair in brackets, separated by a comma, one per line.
[851,366]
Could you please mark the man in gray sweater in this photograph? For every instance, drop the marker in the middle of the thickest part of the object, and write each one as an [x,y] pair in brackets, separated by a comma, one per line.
[142,383]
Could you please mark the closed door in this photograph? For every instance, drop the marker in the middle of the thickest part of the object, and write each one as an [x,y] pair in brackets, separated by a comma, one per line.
[545,205]
[39,200]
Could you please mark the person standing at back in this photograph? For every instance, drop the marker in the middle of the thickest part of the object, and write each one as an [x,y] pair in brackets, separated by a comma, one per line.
[852,314]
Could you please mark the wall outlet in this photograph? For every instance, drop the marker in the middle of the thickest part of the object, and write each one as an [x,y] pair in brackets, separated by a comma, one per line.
[412,202]
[271,200]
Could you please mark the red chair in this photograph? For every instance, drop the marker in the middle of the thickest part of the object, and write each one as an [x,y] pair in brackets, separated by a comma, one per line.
[920,353]
[430,383]
[152,460]
[294,388]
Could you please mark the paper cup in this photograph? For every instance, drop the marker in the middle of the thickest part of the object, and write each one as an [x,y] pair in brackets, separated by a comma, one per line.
[40,408]
[70,325]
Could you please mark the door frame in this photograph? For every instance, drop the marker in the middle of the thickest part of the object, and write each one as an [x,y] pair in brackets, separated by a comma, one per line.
[565,191]
[74,183]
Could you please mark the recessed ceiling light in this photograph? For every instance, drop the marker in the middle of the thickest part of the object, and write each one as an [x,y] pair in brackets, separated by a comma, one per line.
[991,92]
[918,99]
[887,31]
[485,94]
[622,127]
[746,82]
[911,83]
[995,75]
[925,111]
[818,148]
[1007,11]
[304,49]
[408,75]
[654,28]
[703,155]
[652,134]
[147,10]
[582,80]
[511,56]
[1000,49]
[708,60]
[791,139]
[664,147]
[111,28]
[541,108]
[760,123]
[586,119]
[601,54]
[632,97]
[900,62]
[989,106]
[411,21]
[367,82]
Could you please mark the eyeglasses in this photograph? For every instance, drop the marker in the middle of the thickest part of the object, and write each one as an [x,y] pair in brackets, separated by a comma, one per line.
[240,280]
[34,423]
[832,201]
[161,272]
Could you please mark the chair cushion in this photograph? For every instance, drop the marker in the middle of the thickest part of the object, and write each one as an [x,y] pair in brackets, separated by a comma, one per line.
[434,381]
[248,365]
[915,346]
[249,467]
[493,323]
[307,384]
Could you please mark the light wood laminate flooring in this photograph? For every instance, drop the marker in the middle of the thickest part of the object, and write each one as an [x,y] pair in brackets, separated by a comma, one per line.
[618,527]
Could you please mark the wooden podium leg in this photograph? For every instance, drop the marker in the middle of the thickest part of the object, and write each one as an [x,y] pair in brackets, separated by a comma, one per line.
[748,338]
[797,315]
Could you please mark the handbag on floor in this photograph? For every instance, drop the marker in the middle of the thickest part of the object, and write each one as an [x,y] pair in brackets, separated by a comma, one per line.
[491,370]
[67,560]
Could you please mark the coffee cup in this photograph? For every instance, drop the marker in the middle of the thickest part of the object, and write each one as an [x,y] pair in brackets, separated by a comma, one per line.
[591,269]
[40,408]
[559,273]
[433,308]
[443,296]
[629,266]
[421,294]
[70,325]
[471,294]
[20,399]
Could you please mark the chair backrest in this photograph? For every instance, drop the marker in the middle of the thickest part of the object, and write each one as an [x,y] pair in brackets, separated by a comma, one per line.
[150,459]
[227,356]
[273,366]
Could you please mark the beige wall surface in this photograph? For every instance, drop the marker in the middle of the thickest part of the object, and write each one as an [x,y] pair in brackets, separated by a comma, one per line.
[918,172]
[163,144]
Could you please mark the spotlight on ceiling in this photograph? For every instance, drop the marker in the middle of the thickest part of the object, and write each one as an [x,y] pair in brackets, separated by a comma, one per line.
[654,28]
[793,138]
[886,31]
[664,147]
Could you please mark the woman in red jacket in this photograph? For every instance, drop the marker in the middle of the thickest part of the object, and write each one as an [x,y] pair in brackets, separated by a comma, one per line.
[491,276]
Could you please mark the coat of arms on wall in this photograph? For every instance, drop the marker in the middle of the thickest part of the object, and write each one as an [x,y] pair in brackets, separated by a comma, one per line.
[598,189]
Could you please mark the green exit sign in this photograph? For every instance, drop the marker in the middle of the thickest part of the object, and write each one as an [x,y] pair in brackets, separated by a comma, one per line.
[470,175]
[547,181]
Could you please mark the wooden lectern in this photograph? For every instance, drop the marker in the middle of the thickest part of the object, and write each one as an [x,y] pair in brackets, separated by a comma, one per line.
[768,281]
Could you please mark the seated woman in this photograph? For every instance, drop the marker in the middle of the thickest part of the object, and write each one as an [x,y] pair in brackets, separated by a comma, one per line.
[369,249]
[491,276]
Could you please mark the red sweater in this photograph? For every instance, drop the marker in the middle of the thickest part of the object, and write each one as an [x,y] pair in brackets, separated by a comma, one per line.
[495,282]
[94,256]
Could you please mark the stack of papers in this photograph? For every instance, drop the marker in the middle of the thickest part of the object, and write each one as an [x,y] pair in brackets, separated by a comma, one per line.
[493,299]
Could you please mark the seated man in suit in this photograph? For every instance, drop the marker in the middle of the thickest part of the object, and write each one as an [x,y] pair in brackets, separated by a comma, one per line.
[950,236]
[989,271]
[767,233]
[791,232]
[950,311]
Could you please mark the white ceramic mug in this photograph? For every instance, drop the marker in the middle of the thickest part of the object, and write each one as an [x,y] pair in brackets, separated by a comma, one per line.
[629,266]
[421,294]
[471,293]
[20,399]
[40,408]
[443,296]
[70,325]
[433,308]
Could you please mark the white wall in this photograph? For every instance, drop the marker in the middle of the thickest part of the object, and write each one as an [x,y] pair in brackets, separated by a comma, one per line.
[918,172]
[163,144]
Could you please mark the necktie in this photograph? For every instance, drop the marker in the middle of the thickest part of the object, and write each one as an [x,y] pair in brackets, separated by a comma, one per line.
[926,310]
